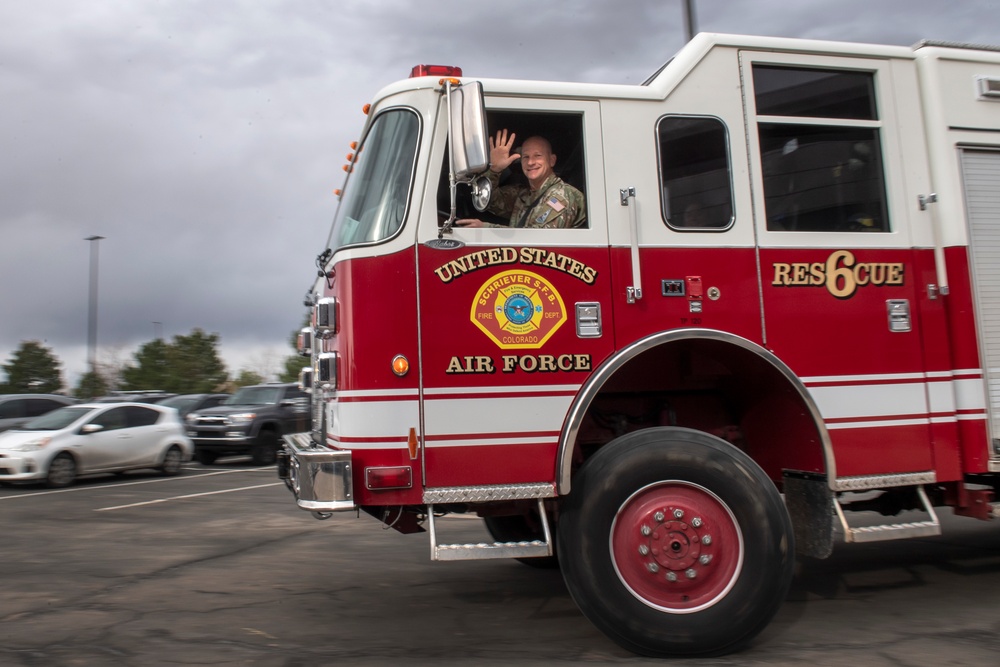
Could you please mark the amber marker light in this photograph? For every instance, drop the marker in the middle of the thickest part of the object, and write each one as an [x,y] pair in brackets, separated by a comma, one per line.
[411,443]
[366,108]
[400,365]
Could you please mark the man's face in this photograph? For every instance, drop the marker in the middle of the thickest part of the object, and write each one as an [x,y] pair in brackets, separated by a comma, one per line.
[537,161]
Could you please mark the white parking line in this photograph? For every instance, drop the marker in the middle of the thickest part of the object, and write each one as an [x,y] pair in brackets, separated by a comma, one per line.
[190,495]
[120,484]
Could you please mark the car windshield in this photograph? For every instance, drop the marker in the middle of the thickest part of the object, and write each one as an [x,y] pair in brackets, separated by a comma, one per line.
[55,420]
[255,396]
[377,192]
[180,403]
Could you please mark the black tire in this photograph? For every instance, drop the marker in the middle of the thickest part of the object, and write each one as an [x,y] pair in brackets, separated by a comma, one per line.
[265,450]
[521,528]
[172,461]
[62,471]
[204,457]
[675,543]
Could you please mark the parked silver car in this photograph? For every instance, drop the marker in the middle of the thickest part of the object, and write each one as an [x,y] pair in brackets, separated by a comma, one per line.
[94,438]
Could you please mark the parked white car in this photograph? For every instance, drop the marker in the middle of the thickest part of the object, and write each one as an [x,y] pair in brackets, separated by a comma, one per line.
[94,438]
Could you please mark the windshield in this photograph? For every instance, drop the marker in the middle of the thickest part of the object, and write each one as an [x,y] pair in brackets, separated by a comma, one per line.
[55,420]
[255,396]
[375,199]
[181,403]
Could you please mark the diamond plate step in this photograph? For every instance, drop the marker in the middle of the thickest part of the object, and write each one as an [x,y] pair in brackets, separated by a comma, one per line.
[892,531]
[487,550]
[483,551]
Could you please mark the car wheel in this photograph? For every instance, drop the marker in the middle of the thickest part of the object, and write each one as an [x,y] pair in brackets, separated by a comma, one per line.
[62,471]
[172,461]
[675,543]
[265,450]
[205,458]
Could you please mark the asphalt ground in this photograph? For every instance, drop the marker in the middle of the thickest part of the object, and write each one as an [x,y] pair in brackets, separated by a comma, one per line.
[218,567]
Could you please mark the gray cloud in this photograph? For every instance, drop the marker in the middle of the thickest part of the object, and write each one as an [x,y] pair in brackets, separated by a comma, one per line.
[204,139]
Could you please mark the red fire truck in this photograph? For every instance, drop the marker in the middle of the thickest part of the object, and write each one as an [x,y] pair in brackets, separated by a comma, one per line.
[779,327]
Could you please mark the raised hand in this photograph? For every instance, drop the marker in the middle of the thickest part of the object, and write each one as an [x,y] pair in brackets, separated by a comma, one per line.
[500,157]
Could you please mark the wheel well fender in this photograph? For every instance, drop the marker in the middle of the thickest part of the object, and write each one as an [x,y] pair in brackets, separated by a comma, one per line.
[267,427]
[743,360]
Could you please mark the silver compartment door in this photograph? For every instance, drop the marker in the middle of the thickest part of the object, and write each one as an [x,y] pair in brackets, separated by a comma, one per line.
[981,172]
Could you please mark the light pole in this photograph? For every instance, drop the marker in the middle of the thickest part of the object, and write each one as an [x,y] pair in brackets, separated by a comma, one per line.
[92,314]
[690,23]
[157,330]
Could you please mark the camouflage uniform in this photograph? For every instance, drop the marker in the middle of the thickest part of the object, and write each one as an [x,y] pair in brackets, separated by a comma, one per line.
[555,205]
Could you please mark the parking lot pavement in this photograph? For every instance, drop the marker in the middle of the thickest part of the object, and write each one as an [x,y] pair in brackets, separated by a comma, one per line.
[217,567]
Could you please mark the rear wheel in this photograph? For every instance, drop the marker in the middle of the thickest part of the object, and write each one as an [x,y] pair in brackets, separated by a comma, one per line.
[265,450]
[675,543]
[172,461]
[62,471]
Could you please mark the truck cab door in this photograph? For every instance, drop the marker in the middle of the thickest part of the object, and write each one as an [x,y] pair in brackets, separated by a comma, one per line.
[512,320]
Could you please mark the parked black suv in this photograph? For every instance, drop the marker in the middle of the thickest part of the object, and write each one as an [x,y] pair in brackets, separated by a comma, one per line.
[15,409]
[251,421]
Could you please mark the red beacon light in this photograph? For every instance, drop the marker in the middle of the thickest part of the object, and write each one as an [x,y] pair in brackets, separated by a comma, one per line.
[435,70]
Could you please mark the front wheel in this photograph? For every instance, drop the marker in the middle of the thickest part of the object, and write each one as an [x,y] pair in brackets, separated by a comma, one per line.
[62,471]
[265,450]
[674,543]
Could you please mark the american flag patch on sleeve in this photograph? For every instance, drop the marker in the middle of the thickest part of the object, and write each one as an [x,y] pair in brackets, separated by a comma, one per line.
[555,204]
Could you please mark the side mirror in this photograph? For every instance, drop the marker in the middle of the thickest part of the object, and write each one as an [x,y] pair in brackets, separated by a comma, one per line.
[470,146]
[87,429]
[481,191]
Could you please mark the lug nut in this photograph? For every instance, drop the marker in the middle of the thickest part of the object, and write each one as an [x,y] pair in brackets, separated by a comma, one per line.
[644,550]
[706,540]
[696,522]
[653,567]
[678,513]
[690,573]
[704,559]
[646,530]
[671,577]
[659,517]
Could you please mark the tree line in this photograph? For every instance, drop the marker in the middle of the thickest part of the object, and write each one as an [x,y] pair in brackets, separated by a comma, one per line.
[185,365]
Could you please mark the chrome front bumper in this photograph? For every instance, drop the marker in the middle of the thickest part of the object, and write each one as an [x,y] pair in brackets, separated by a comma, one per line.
[319,477]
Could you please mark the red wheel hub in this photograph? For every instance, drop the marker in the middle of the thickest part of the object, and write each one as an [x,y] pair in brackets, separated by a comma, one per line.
[676,546]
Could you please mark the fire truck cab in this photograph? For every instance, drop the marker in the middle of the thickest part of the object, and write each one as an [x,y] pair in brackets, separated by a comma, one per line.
[780,324]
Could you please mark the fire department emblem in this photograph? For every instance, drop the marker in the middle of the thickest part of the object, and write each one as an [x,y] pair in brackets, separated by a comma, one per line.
[518,309]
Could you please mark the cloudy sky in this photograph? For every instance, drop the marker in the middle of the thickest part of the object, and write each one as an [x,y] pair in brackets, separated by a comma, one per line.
[204,138]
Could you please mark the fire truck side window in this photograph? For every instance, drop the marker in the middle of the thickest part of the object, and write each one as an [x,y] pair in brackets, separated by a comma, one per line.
[378,191]
[820,175]
[563,130]
[695,181]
